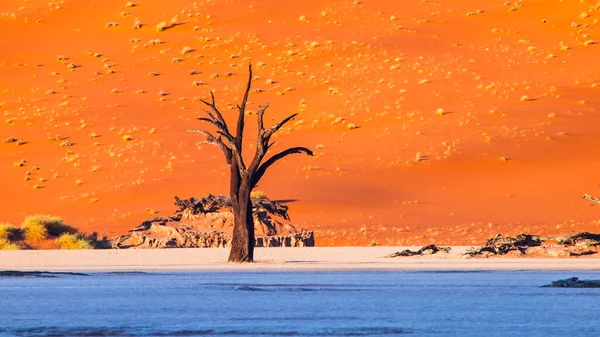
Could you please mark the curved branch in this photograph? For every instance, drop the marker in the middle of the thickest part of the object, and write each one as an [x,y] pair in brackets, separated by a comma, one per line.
[263,168]
[213,106]
[270,131]
[211,121]
[210,115]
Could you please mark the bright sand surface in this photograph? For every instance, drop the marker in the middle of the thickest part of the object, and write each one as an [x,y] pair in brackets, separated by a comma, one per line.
[275,259]
[432,121]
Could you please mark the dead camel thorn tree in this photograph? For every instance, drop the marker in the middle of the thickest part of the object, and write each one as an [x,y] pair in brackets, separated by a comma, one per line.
[244,178]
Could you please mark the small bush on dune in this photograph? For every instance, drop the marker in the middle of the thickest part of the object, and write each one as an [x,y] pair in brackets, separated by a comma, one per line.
[7,245]
[9,232]
[74,241]
[34,231]
[41,227]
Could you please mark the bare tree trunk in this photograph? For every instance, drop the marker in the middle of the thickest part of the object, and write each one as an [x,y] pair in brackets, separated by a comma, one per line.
[242,243]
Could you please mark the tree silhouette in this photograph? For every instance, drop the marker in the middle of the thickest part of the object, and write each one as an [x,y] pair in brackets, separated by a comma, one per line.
[244,178]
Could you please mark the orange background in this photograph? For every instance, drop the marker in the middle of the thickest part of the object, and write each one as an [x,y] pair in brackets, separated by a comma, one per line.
[514,145]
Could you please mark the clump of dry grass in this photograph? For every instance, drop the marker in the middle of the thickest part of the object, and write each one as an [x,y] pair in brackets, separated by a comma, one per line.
[8,232]
[74,241]
[7,245]
[34,231]
[137,24]
[41,227]
[258,195]
[161,26]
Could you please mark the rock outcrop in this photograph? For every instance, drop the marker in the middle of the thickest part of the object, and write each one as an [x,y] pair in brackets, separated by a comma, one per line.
[573,282]
[208,223]
[540,246]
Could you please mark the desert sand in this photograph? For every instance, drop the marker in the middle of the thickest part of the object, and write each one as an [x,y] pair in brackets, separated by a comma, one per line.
[432,121]
[275,259]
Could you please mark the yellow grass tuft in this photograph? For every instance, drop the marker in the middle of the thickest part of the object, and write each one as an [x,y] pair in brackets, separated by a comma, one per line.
[186,50]
[74,241]
[7,245]
[161,26]
[34,231]
[258,195]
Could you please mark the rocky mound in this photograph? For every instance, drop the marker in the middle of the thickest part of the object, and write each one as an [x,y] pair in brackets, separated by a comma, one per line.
[208,223]
[540,246]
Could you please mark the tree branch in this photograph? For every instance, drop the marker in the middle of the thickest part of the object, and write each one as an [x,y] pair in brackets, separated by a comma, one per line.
[221,128]
[210,139]
[233,145]
[263,168]
[269,132]
[262,144]
[242,111]
[213,106]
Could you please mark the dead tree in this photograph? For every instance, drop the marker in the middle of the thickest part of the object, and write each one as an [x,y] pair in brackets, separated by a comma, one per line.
[590,198]
[244,177]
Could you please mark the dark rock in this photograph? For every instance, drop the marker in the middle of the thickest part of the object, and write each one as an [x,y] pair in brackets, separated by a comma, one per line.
[574,282]
[45,274]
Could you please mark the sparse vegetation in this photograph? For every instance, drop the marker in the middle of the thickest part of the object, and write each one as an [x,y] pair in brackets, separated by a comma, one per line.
[161,26]
[7,245]
[8,232]
[258,195]
[41,227]
[74,241]
[34,231]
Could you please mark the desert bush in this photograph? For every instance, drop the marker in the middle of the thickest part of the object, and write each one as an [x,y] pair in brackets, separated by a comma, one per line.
[34,231]
[7,245]
[74,241]
[41,227]
[9,232]
[99,243]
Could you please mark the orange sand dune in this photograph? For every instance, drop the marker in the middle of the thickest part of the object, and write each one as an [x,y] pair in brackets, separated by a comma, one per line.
[432,121]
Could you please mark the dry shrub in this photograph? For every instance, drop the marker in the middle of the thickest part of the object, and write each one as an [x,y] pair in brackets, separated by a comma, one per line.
[9,232]
[258,195]
[7,245]
[34,231]
[74,241]
[36,225]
